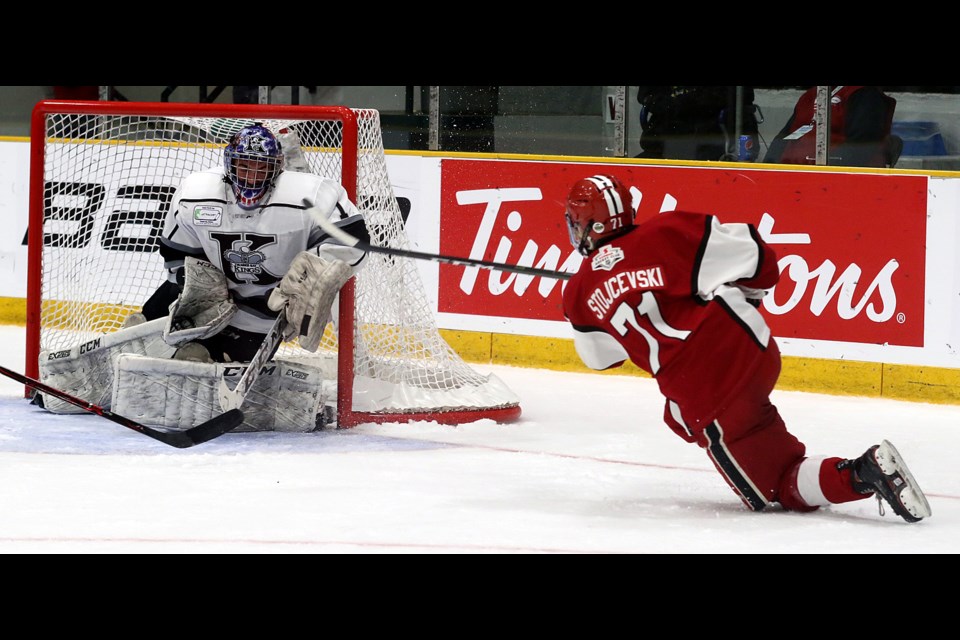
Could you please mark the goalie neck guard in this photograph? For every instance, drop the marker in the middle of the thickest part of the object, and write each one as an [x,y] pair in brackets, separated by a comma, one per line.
[253,159]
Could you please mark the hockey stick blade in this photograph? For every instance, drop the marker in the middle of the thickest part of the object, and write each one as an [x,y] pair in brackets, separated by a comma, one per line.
[213,428]
[346,239]
[231,399]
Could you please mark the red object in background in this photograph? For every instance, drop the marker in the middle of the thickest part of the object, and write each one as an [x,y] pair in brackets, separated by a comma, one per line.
[851,247]
[76,92]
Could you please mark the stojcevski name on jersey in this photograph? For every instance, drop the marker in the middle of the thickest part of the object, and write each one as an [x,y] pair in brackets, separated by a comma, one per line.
[254,248]
[620,284]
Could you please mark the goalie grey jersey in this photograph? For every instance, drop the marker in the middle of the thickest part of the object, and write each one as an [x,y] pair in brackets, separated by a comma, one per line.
[254,248]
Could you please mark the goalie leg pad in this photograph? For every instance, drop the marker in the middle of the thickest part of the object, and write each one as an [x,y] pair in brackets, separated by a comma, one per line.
[306,294]
[179,394]
[204,307]
[86,370]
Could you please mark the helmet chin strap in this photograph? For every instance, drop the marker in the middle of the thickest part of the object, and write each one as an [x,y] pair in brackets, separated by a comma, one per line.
[583,248]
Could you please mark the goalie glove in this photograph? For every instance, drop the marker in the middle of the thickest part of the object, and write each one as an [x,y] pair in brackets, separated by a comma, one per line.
[203,308]
[306,294]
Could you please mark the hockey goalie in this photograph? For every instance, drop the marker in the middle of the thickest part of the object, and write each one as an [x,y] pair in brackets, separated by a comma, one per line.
[240,248]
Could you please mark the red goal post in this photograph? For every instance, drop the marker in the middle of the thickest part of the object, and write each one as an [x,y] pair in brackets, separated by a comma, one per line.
[101,180]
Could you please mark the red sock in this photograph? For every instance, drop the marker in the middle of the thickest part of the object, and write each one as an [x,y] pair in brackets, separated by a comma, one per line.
[816,482]
[837,485]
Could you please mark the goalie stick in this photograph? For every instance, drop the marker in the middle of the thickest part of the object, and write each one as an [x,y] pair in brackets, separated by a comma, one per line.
[231,399]
[213,428]
[346,239]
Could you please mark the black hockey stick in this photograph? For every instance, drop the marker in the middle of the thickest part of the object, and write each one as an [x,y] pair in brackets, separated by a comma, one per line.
[231,399]
[346,239]
[199,434]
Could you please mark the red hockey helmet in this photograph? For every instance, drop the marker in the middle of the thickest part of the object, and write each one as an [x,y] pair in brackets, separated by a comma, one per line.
[598,208]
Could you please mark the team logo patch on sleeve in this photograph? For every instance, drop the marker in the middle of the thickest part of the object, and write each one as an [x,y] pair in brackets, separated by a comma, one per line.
[607,257]
[207,216]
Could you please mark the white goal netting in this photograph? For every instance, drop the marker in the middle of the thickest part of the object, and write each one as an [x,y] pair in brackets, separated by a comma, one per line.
[109,173]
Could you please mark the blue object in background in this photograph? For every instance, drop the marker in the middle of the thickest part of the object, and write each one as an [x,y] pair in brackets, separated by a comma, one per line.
[748,148]
[920,138]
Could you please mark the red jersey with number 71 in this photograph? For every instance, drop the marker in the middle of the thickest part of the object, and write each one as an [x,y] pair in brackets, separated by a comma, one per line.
[678,296]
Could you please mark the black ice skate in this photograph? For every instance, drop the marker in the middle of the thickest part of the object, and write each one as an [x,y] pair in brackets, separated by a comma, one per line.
[882,472]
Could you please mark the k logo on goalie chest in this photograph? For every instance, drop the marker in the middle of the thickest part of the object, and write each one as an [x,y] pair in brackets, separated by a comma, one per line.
[207,216]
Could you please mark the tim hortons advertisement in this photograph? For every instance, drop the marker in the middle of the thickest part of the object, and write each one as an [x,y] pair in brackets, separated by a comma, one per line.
[841,279]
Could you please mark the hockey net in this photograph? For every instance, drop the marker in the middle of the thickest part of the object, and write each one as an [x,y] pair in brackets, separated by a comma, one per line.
[103,175]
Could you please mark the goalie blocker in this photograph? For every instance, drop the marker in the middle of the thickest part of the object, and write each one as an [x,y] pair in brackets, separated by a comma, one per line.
[306,295]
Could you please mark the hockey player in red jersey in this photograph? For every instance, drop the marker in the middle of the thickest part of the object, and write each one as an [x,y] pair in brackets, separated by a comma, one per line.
[679,296]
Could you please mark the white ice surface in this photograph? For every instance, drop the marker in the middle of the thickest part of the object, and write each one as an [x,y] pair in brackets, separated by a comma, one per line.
[589,468]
